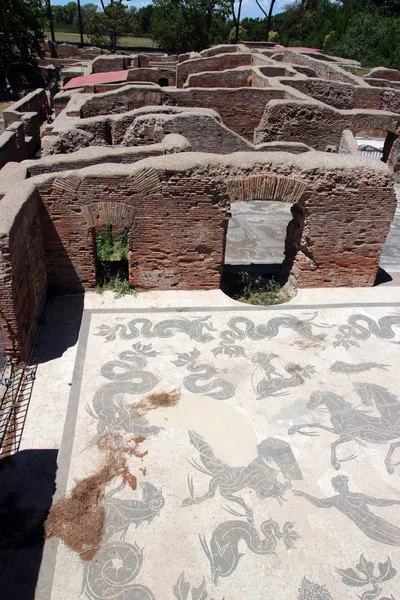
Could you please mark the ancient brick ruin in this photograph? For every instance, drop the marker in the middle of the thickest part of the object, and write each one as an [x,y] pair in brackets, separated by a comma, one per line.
[164,153]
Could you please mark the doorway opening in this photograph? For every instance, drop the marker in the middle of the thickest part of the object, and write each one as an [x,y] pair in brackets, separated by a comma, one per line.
[255,251]
[111,247]
[163,82]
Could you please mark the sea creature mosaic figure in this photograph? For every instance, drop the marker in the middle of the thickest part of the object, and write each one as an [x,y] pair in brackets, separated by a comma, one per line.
[355,506]
[241,327]
[113,571]
[182,588]
[274,383]
[223,553]
[127,376]
[121,513]
[196,329]
[198,381]
[350,335]
[367,575]
[258,475]
[350,423]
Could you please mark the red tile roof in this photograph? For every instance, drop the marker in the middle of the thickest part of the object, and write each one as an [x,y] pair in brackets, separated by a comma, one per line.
[96,78]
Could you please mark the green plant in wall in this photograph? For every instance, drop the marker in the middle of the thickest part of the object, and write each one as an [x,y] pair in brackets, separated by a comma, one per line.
[112,247]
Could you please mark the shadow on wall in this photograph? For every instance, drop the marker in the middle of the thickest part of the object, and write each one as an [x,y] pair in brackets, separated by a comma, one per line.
[62,276]
[59,329]
[27,484]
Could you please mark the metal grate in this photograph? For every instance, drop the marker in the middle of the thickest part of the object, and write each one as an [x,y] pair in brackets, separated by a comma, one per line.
[4,360]
[14,404]
[375,154]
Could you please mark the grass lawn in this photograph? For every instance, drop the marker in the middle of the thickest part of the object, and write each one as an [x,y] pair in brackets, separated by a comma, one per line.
[66,36]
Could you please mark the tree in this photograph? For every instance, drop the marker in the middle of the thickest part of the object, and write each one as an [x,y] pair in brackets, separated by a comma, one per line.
[370,38]
[179,25]
[86,11]
[144,15]
[114,22]
[273,36]
[236,18]
[21,32]
[236,36]
[268,16]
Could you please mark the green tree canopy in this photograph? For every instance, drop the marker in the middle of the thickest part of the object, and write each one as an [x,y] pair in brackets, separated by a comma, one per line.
[114,22]
[185,25]
[370,37]
[21,32]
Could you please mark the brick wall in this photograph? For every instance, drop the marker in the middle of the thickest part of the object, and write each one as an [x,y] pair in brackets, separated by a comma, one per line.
[176,239]
[177,218]
[178,230]
[23,278]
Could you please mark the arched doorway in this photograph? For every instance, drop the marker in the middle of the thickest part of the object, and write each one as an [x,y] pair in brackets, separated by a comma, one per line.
[110,229]
[263,236]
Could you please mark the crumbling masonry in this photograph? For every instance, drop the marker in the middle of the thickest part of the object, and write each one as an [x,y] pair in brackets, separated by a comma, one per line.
[166,161]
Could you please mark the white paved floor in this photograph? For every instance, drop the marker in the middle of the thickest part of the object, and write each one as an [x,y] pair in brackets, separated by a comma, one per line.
[241,493]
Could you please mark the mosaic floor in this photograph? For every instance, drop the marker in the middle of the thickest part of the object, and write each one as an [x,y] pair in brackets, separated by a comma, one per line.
[274,474]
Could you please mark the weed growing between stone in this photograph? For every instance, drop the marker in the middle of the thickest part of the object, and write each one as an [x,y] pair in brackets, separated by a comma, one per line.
[259,290]
[118,285]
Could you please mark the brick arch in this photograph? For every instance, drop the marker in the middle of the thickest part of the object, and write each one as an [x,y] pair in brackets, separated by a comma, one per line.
[100,214]
[265,187]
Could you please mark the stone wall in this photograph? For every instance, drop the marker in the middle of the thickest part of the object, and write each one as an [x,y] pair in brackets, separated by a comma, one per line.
[204,132]
[96,155]
[323,69]
[33,102]
[231,78]
[318,125]
[152,74]
[347,96]
[201,127]
[337,94]
[114,62]
[221,62]
[23,278]
[383,73]
[348,143]
[240,109]
[21,138]
[11,144]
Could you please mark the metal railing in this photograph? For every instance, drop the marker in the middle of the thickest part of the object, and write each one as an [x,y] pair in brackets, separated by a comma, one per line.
[14,402]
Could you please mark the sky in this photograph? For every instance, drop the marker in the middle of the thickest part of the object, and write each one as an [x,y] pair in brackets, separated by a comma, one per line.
[249,7]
